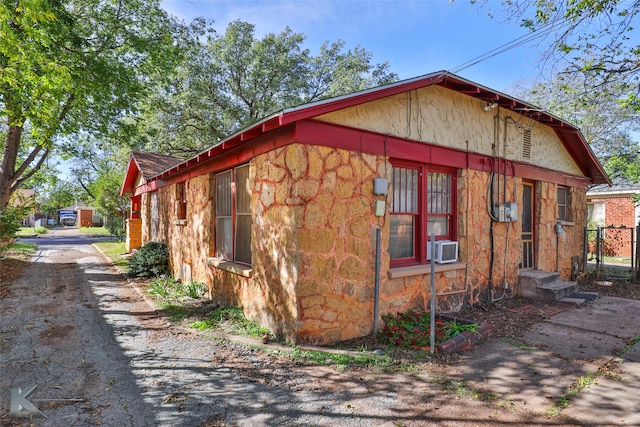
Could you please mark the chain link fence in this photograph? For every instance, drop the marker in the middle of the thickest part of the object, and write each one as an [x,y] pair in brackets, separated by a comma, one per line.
[612,252]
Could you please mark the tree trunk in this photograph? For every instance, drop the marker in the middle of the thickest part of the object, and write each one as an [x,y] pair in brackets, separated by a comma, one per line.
[7,168]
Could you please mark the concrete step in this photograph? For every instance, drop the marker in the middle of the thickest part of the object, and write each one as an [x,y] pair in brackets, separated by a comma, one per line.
[555,291]
[580,298]
[528,281]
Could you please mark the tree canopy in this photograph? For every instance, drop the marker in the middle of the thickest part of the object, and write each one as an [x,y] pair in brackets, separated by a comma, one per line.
[67,65]
[594,40]
[233,79]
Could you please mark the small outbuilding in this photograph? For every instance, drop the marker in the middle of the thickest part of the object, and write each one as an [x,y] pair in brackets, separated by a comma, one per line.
[317,220]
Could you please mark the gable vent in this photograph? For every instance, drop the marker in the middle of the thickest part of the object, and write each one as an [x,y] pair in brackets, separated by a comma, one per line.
[526,144]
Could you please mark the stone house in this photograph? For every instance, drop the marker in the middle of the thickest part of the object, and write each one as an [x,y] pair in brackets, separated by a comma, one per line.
[316,219]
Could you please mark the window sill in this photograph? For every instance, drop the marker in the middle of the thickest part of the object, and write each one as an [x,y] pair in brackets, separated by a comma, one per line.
[231,267]
[567,223]
[415,270]
[181,222]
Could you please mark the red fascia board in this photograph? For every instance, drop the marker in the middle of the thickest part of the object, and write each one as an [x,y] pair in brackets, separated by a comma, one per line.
[582,154]
[252,133]
[338,136]
[272,123]
[323,108]
[222,158]
[130,175]
[541,174]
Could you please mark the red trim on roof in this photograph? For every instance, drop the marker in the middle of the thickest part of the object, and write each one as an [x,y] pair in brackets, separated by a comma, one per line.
[569,135]
[353,139]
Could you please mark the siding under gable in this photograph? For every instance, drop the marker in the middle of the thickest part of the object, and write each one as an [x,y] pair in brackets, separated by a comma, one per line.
[445,117]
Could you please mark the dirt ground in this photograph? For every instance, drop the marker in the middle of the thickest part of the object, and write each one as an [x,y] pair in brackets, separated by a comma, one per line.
[419,393]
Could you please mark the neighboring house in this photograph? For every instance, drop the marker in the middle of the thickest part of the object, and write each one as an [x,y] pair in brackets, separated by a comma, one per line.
[312,218]
[143,167]
[613,206]
[86,216]
[25,197]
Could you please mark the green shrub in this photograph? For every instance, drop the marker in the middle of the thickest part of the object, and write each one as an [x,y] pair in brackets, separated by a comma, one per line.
[195,290]
[166,287]
[115,225]
[10,222]
[413,329]
[151,260]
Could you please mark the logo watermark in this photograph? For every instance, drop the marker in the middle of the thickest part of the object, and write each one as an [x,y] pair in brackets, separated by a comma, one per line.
[21,407]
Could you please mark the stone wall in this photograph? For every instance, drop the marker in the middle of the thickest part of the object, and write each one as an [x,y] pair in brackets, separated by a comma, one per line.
[555,251]
[315,254]
[313,244]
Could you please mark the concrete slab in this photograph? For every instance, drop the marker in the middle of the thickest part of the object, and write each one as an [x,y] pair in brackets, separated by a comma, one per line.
[522,378]
[633,355]
[573,343]
[613,400]
[613,316]
[556,354]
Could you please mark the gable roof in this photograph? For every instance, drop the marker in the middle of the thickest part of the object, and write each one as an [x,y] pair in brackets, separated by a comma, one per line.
[571,137]
[148,165]
[620,185]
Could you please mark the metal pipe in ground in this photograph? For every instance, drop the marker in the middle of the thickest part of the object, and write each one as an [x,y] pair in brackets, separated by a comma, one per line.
[376,295]
[432,317]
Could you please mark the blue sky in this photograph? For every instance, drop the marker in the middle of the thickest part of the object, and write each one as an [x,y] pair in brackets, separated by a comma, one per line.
[415,37]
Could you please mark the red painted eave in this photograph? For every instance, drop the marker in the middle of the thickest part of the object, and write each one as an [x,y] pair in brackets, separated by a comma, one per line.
[130,175]
[570,136]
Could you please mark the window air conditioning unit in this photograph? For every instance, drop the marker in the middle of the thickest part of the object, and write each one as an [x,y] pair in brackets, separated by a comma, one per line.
[446,251]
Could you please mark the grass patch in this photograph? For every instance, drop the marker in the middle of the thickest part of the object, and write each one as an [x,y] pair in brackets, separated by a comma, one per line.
[116,252]
[95,231]
[580,384]
[176,312]
[169,289]
[520,345]
[30,231]
[20,250]
[461,389]
[230,320]
[315,358]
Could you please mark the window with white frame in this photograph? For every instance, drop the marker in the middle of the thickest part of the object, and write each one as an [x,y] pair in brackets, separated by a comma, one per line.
[233,215]
[422,202]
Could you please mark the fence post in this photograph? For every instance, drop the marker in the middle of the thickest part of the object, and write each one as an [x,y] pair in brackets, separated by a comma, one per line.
[598,238]
[585,250]
[633,262]
[638,253]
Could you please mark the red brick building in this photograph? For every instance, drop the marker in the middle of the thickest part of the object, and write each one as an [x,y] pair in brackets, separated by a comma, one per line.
[614,206]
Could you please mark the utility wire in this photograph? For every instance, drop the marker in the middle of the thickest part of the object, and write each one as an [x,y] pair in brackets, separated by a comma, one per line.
[542,32]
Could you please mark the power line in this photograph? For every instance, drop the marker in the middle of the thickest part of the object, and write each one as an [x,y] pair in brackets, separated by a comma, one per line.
[543,32]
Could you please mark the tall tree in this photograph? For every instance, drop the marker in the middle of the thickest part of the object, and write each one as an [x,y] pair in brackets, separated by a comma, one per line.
[98,169]
[56,194]
[609,126]
[593,39]
[67,65]
[235,79]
